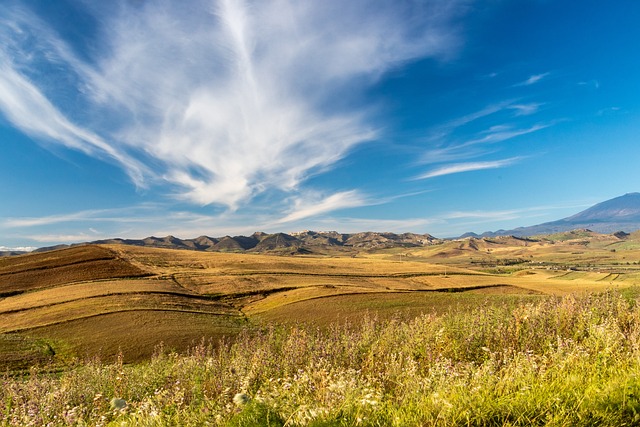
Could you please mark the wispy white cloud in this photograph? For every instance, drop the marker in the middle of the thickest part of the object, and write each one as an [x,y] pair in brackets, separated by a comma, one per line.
[471,136]
[526,109]
[591,83]
[476,115]
[533,79]
[17,248]
[608,111]
[483,215]
[503,133]
[132,214]
[313,206]
[222,100]
[521,109]
[26,106]
[451,153]
[47,220]
[61,238]
[527,212]
[468,167]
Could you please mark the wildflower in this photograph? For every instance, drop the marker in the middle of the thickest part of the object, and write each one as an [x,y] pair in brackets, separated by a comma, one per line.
[241,399]
[369,400]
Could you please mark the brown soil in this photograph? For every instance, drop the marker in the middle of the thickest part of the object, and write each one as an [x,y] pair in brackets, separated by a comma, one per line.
[43,270]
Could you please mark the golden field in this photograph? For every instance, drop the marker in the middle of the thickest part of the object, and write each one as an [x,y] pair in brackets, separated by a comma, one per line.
[99,300]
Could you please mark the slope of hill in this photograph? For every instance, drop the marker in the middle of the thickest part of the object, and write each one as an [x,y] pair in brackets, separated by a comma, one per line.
[93,300]
[617,214]
[103,299]
[42,270]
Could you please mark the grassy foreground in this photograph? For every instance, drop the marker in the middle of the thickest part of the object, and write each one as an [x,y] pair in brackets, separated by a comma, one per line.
[567,361]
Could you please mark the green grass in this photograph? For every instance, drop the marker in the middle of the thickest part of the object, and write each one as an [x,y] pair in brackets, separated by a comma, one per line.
[569,235]
[406,305]
[19,352]
[631,293]
[572,361]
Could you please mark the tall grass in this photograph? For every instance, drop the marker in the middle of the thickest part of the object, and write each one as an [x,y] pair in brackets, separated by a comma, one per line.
[573,361]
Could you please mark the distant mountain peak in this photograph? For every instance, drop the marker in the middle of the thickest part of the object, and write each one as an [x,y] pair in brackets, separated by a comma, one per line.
[623,208]
[621,213]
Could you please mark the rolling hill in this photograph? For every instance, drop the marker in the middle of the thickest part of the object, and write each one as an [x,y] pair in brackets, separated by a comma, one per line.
[101,300]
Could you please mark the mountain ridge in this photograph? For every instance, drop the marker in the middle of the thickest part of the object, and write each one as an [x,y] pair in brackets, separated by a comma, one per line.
[303,242]
[618,215]
[621,213]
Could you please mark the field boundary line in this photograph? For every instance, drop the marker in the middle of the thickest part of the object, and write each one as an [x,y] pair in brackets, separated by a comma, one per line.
[53,304]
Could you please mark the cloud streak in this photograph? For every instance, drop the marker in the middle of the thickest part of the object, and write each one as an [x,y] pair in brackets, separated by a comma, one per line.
[533,79]
[468,167]
[305,208]
[25,106]
[471,135]
[503,133]
[220,100]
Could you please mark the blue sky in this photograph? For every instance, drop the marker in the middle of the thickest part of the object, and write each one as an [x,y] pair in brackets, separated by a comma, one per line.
[134,118]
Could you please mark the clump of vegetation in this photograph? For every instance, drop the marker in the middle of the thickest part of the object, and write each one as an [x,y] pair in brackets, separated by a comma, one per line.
[559,361]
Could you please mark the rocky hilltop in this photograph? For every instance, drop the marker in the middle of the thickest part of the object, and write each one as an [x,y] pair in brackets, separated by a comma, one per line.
[303,242]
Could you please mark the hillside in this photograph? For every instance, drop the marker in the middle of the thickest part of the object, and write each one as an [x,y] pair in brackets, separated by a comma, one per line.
[570,361]
[99,300]
[104,299]
[617,214]
[91,300]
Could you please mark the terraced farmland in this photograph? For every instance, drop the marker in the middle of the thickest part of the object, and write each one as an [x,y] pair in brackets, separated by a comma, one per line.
[101,300]
[88,301]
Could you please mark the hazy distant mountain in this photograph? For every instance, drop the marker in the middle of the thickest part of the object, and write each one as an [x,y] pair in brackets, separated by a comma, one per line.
[623,210]
[11,253]
[617,214]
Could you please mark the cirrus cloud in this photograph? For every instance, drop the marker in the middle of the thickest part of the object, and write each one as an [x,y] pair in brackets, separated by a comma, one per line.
[314,206]
[468,167]
[220,100]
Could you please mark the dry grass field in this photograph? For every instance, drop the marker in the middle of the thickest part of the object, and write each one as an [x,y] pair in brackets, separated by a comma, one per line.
[136,334]
[101,300]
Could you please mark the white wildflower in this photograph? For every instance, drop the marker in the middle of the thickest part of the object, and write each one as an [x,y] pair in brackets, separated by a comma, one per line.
[241,399]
